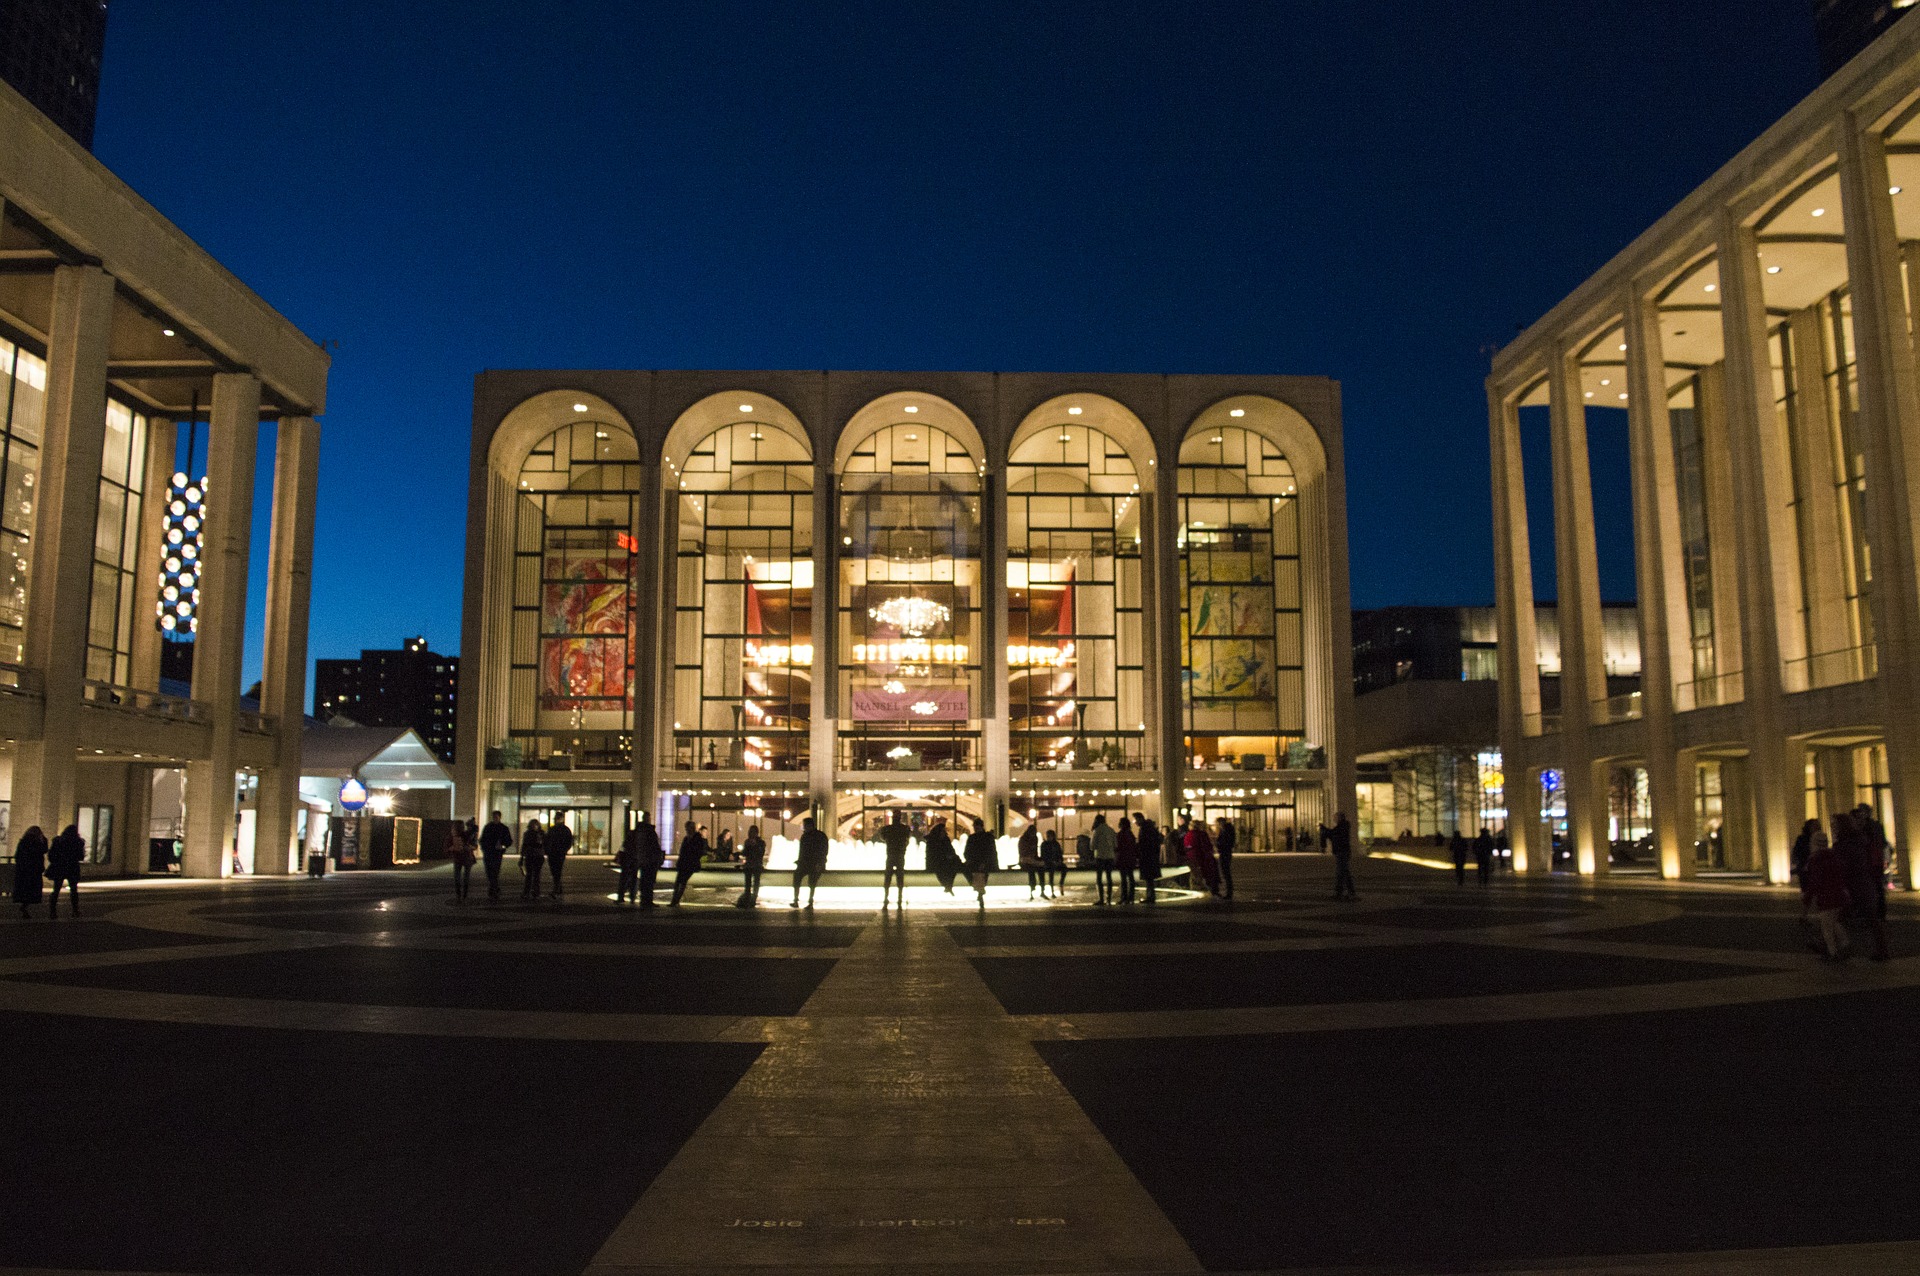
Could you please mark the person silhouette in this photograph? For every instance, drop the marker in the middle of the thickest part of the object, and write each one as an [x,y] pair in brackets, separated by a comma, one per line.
[896,837]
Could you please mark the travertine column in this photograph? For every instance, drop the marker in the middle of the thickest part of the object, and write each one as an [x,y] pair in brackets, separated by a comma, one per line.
[1583,675]
[1164,550]
[1823,579]
[233,431]
[993,708]
[1723,532]
[1519,644]
[283,674]
[826,627]
[1889,427]
[146,579]
[1656,533]
[64,513]
[1764,523]
[656,551]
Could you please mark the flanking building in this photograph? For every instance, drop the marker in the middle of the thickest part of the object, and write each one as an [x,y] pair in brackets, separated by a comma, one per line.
[760,595]
[119,339]
[1756,349]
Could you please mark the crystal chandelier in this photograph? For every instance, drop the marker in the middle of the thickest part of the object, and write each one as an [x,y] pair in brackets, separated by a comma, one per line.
[910,614]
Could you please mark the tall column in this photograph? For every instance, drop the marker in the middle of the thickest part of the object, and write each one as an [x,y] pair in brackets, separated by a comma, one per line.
[1583,675]
[824,703]
[1327,637]
[60,590]
[1656,534]
[233,430]
[1768,570]
[146,578]
[1723,532]
[1889,427]
[1164,508]
[1823,593]
[651,614]
[993,632]
[283,674]
[1519,644]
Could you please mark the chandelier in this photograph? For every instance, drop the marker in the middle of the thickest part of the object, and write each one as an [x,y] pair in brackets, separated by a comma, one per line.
[910,614]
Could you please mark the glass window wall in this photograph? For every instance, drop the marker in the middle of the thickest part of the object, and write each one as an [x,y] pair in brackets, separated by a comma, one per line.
[116,547]
[23,405]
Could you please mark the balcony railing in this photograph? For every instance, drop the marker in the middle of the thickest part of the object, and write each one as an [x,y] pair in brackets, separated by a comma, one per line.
[1089,751]
[146,704]
[1831,668]
[1704,693]
[1540,723]
[1624,708]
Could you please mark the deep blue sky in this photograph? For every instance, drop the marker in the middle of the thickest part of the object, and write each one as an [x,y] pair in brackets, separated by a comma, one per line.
[1376,192]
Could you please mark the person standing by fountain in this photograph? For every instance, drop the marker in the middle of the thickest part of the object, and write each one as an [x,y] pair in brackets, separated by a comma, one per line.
[896,837]
[982,860]
[810,862]
[754,851]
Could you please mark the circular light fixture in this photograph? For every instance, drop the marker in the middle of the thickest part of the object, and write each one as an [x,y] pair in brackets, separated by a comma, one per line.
[179,478]
[1623,347]
[1819,212]
[746,407]
[168,623]
[910,409]
[579,407]
[1606,380]
[1237,412]
[1773,270]
[910,614]
[1713,288]
[1065,437]
[1623,396]
[1589,394]
[1073,411]
[756,436]
[599,434]
[168,332]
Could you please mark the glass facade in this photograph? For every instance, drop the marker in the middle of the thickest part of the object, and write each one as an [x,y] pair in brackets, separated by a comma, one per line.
[909,598]
[1849,466]
[1241,653]
[116,549]
[1075,614]
[1696,549]
[743,609]
[576,541]
[23,407]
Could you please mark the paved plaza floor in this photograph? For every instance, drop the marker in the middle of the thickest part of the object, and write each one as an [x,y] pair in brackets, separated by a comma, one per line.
[357,1075]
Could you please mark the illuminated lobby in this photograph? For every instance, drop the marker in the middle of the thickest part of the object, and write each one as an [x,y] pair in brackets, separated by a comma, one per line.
[743,598]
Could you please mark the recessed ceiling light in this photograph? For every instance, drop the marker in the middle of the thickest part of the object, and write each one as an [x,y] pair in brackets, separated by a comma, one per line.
[599,434]
[756,436]
[913,438]
[1713,287]
[1623,347]
[1773,270]
[1065,437]
[1218,438]
[166,332]
[1606,380]
[579,407]
[1623,396]
[746,407]
[1893,190]
[1073,411]
[1589,394]
[1237,412]
[910,408]
[1819,212]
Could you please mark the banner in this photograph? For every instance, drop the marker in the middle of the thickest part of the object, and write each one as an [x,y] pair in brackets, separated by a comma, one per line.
[915,704]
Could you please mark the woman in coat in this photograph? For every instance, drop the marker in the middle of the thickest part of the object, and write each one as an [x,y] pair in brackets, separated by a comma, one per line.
[1126,857]
[29,869]
[64,857]
[694,849]
[981,859]
[1053,865]
[941,861]
[1201,860]
[1029,848]
[533,857]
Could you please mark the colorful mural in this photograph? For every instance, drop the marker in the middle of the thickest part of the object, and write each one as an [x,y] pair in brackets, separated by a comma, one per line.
[586,619]
[1226,642]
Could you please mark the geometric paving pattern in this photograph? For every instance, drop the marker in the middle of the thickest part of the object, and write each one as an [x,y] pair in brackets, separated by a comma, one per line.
[356,1075]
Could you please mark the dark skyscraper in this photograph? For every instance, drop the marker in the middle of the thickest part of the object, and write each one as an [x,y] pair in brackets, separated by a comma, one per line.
[50,53]
[411,687]
[1844,27]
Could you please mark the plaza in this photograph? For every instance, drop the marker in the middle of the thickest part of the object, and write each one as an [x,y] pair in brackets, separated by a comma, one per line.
[359,1075]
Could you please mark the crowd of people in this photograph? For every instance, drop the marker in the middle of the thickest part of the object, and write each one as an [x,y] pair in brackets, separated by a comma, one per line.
[37,861]
[1843,883]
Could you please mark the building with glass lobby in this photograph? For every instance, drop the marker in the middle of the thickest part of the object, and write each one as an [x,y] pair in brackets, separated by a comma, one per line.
[1756,349]
[759,595]
[119,337]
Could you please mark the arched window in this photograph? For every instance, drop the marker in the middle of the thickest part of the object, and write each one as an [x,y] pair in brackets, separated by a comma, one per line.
[1075,630]
[1241,655]
[909,602]
[576,538]
[743,641]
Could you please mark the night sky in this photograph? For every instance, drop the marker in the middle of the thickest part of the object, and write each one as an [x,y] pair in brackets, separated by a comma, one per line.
[1376,192]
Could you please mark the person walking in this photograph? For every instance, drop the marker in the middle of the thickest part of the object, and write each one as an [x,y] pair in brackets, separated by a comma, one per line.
[495,839]
[1864,852]
[29,869]
[753,863]
[533,857]
[627,860]
[941,860]
[1224,843]
[1458,844]
[1823,885]
[687,861]
[896,837]
[1053,864]
[1151,841]
[1103,842]
[1483,854]
[1029,849]
[1201,860]
[63,865]
[982,860]
[810,861]
[649,855]
[1126,857]
[559,846]
[460,851]
[1339,841]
